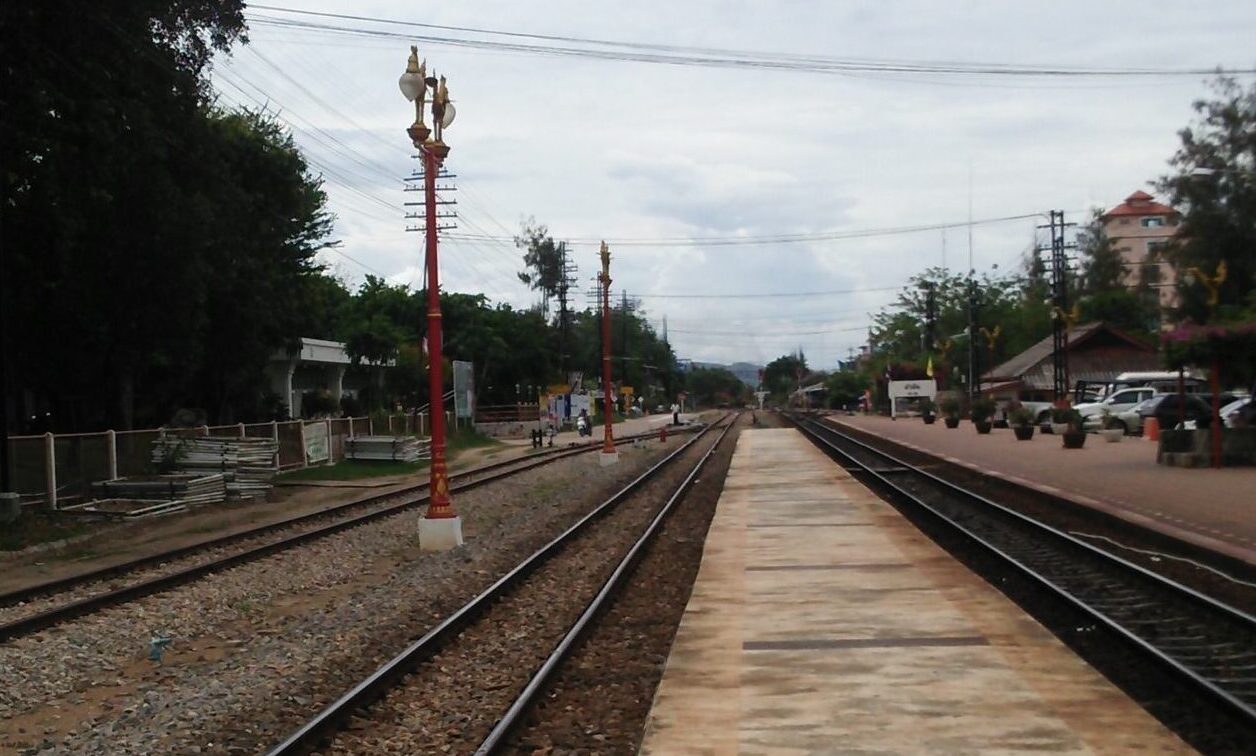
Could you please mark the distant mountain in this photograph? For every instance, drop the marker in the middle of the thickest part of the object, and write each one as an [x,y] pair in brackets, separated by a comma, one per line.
[747,372]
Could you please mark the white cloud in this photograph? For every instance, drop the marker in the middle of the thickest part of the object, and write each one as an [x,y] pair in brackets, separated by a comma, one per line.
[598,149]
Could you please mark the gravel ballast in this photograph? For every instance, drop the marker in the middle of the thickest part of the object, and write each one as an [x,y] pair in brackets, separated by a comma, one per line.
[450,702]
[258,649]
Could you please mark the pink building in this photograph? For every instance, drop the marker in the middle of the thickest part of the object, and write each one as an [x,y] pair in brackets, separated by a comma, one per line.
[1139,228]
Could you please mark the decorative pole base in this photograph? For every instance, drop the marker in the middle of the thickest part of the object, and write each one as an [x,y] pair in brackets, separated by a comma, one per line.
[440,534]
[605,459]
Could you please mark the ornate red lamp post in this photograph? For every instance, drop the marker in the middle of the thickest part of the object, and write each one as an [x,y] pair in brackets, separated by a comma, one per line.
[608,456]
[440,528]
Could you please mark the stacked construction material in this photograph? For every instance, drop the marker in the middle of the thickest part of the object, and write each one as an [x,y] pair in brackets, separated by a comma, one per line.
[387,448]
[188,489]
[246,464]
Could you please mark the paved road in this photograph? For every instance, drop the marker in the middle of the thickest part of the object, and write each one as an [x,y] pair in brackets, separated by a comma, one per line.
[1215,509]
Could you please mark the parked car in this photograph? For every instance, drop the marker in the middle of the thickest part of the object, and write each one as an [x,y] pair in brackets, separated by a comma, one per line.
[1132,417]
[1193,408]
[1118,402]
[1240,413]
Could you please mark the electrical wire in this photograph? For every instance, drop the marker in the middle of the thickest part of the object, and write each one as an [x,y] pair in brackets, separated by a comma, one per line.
[697,56]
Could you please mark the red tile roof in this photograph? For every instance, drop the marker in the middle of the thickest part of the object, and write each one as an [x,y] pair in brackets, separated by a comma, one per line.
[1139,203]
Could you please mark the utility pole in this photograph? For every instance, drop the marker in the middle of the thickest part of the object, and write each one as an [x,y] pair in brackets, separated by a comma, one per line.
[565,281]
[1059,304]
[931,316]
[974,319]
[623,337]
[608,456]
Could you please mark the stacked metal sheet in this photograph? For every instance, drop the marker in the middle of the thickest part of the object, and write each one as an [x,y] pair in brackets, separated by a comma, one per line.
[188,489]
[127,509]
[387,448]
[247,464]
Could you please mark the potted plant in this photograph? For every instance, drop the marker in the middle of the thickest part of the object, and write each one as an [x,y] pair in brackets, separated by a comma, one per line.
[981,411]
[1110,428]
[1074,436]
[1022,422]
[928,412]
[950,411]
[1059,419]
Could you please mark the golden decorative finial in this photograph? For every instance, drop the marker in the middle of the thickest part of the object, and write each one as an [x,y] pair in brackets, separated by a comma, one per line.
[991,336]
[605,253]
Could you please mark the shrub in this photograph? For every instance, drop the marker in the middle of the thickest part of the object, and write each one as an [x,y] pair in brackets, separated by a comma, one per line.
[950,407]
[1061,414]
[1020,416]
[351,406]
[982,409]
[927,407]
[318,404]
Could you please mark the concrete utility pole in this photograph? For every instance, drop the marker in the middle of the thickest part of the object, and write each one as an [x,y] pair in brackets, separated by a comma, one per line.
[608,455]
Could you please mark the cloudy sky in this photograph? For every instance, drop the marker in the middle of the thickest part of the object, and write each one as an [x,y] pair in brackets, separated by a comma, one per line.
[813,166]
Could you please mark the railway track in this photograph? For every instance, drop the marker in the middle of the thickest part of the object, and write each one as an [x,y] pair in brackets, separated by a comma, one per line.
[1206,647]
[37,607]
[450,691]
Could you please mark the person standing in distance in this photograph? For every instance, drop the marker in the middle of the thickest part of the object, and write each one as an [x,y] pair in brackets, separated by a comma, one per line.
[675,414]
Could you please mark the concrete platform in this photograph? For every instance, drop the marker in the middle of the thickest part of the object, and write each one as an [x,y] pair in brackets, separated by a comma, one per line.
[822,622]
[1213,509]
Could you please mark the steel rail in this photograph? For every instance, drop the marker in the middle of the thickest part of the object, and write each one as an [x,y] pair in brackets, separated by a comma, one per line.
[815,431]
[470,479]
[511,719]
[330,720]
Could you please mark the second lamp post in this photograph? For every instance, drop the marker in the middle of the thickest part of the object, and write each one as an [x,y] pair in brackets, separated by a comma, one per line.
[440,528]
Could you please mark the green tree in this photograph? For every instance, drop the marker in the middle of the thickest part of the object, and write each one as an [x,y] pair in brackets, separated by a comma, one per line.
[105,140]
[381,319]
[259,273]
[782,375]
[1102,268]
[846,387]
[1214,186]
[715,386]
[545,262]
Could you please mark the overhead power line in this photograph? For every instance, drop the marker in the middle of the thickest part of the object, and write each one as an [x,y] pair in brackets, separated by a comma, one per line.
[584,47]
[780,238]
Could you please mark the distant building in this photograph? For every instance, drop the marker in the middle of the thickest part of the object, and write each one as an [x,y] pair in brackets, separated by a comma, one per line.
[1140,228]
[1096,353]
[318,365]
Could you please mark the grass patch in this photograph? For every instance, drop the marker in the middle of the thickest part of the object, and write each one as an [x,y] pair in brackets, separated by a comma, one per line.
[39,526]
[354,470]
[458,441]
[467,438]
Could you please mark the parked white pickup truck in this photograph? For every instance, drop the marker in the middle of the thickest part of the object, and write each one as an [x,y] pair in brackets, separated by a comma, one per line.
[1092,413]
